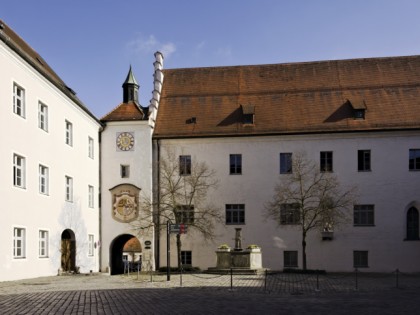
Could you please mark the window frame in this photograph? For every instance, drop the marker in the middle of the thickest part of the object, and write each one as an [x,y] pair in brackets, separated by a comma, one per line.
[326,162]
[91,196]
[286,163]
[69,188]
[235,164]
[290,259]
[414,161]
[42,116]
[289,214]
[360,259]
[364,161]
[364,215]
[19,171]
[186,257]
[184,165]
[91,147]
[43,174]
[43,237]
[125,170]
[232,211]
[91,245]
[184,214]
[19,243]
[69,133]
[412,224]
[19,106]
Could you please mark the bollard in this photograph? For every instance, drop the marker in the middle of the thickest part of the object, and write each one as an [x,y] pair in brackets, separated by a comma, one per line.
[180,278]
[265,281]
[396,278]
[357,284]
[317,280]
[231,279]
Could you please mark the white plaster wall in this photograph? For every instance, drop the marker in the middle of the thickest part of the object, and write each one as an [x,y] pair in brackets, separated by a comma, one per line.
[140,162]
[390,186]
[26,207]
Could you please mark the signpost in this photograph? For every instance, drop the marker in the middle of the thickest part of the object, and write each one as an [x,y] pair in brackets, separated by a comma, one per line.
[177,229]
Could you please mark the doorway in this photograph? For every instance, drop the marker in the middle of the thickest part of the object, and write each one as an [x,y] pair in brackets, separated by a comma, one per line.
[68,251]
[117,253]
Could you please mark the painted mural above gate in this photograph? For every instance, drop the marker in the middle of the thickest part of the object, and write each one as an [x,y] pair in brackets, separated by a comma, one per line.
[125,202]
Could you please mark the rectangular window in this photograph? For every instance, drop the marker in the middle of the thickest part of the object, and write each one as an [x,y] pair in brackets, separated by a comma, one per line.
[125,171]
[184,165]
[414,160]
[69,133]
[185,214]
[18,243]
[18,171]
[43,179]
[363,160]
[360,259]
[91,244]
[69,188]
[235,214]
[235,164]
[91,197]
[285,163]
[43,116]
[43,244]
[364,215]
[18,100]
[90,147]
[186,257]
[289,213]
[290,259]
[326,161]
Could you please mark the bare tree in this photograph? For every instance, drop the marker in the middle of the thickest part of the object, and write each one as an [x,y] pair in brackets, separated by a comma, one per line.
[309,199]
[182,198]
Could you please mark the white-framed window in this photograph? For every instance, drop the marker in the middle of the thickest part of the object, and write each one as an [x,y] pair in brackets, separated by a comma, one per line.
[414,160]
[91,244]
[91,196]
[326,161]
[19,169]
[69,188]
[185,214]
[235,214]
[186,257]
[286,166]
[19,240]
[43,243]
[363,160]
[235,164]
[289,214]
[43,116]
[43,179]
[90,147]
[184,165]
[18,100]
[364,215]
[69,133]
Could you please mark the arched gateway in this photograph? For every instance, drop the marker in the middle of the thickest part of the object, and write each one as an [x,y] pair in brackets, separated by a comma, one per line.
[116,250]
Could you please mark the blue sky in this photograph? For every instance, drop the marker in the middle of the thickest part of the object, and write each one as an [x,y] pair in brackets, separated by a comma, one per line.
[91,43]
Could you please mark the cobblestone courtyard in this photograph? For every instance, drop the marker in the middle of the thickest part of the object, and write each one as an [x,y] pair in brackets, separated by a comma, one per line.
[213,294]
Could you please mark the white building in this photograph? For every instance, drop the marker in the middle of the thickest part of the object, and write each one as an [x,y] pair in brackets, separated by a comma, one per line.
[49,163]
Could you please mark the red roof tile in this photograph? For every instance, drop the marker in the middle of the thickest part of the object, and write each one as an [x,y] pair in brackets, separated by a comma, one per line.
[123,112]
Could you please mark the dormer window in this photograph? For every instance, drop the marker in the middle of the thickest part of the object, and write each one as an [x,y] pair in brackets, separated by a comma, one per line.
[248,114]
[359,108]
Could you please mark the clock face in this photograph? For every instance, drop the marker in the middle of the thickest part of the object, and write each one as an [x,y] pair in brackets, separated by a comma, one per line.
[125,141]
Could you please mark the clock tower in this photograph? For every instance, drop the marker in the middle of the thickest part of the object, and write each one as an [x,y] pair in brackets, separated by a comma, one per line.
[126,182]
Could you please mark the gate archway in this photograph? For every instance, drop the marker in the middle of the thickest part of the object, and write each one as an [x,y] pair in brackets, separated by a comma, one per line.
[116,253]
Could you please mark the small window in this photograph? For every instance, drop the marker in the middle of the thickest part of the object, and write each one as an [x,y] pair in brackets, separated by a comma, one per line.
[69,133]
[19,240]
[184,214]
[19,169]
[363,160]
[184,165]
[364,215]
[91,196]
[43,179]
[360,259]
[43,116]
[90,147]
[125,171]
[290,259]
[248,113]
[91,245]
[414,160]
[43,244]
[326,161]
[186,258]
[18,100]
[69,188]
[235,164]
[235,214]
[289,214]
[286,163]
[412,224]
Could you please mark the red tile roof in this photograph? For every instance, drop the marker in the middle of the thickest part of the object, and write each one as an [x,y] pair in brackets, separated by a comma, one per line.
[310,97]
[124,112]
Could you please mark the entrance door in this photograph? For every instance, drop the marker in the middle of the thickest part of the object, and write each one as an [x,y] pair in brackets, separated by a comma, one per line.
[68,251]
[116,253]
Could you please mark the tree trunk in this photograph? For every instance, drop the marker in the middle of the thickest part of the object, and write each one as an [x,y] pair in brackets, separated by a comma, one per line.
[178,248]
[304,251]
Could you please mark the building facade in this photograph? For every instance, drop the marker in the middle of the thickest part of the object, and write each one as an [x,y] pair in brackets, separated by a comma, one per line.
[49,166]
